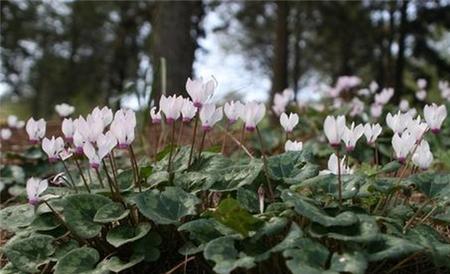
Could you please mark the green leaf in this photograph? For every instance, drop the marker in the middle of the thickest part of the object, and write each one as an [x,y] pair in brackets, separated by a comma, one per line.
[308,257]
[79,213]
[291,167]
[123,234]
[390,247]
[390,167]
[202,230]
[14,217]
[443,217]
[232,215]
[167,207]
[145,171]
[350,262]
[148,246]
[45,222]
[28,254]
[125,179]
[225,256]
[11,174]
[77,261]
[248,199]
[306,208]
[364,231]
[433,185]
[9,268]
[111,213]
[116,265]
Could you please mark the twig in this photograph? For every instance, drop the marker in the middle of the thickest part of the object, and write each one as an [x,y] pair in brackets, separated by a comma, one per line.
[193,139]
[238,143]
[180,264]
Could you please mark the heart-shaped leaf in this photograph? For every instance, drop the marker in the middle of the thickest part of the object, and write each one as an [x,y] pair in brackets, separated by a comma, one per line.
[45,222]
[111,213]
[123,234]
[15,217]
[28,254]
[115,264]
[292,166]
[390,247]
[167,207]
[433,185]
[306,208]
[79,213]
[79,260]
[349,262]
[148,246]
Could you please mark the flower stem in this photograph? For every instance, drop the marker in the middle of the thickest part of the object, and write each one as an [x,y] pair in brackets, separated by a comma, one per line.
[339,178]
[193,139]
[202,143]
[135,168]
[172,144]
[222,150]
[82,175]
[266,170]
[108,179]
[70,176]
[99,177]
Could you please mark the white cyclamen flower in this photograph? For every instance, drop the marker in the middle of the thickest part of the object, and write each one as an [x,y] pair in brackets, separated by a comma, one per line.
[155,115]
[64,109]
[14,122]
[188,110]
[371,132]
[421,83]
[281,100]
[252,114]
[200,91]
[35,187]
[122,127]
[333,167]
[288,122]
[421,95]
[171,107]
[351,136]
[90,128]
[78,142]
[5,133]
[384,96]
[357,107]
[403,145]
[417,128]
[398,122]
[52,147]
[68,129]
[293,146]
[434,116]
[105,115]
[334,128]
[210,115]
[233,111]
[376,110]
[404,105]
[423,157]
[35,130]
[105,143]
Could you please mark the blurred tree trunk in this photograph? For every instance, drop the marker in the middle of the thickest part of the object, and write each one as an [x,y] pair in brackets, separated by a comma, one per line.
[399,68]
[175,29]
[296,70]
[390,61]
[280,58]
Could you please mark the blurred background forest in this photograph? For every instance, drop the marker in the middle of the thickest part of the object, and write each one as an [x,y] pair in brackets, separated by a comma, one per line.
[90,53]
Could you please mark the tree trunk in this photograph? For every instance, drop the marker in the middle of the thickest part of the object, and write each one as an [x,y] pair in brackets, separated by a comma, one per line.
[399,68]
[280,58]
[296,71]
[175,29]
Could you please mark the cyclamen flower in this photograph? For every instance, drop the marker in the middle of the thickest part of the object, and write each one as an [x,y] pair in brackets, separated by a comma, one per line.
[371,132]
[64,109]
[421,83]
[384,96]
[188,110]
[78,142]
[351,136]
[333,167]
[404,105]
[253,114]
[357,107]
[35,130]
[156,116]
[123,126]
[209,116]
[293,146]
[423,156]
[376,110]
[35,187]
[171,107]
[281,100]
[434,116]
[105,115]
[444,87]
[105,143]
[417,128]
[334,128]
[233,111]
[52,147]
[288,122]
[5,133]
[421,95]
[200,91]
[68,129]
[14,122]
[402,145]
[90,128]
[398,122]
